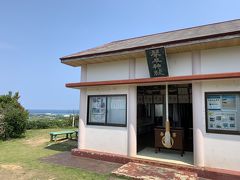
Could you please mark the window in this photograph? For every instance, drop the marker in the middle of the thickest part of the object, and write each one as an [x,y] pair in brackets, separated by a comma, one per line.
[109,110]
[223,112]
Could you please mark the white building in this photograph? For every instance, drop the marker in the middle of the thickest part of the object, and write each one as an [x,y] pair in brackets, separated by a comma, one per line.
[121,105]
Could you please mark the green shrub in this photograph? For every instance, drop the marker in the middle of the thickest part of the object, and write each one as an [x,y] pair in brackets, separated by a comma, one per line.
[48,123]
[13,116]
[15,122]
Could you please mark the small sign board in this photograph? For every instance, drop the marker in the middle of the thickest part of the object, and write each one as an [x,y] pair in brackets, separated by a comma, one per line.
[157,62]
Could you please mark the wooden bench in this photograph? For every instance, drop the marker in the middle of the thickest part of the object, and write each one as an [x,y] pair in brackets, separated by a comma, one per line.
[53,135]
[76,131]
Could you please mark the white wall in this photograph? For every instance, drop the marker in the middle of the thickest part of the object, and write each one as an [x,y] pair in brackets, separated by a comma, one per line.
[221,60]
[212,61]
[108,71]
[220,150]
[180,64]
[141,69]
[104,138]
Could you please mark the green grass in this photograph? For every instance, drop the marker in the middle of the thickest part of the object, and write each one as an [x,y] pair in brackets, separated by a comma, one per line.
[19,158]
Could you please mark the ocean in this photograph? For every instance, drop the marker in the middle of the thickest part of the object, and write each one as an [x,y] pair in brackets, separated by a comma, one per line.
[52,112]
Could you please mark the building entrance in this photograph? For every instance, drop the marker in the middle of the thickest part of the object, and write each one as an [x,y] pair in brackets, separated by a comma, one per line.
[151,118]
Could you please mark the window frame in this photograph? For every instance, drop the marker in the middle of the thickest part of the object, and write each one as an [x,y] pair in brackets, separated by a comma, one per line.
[226,132]
[106,123]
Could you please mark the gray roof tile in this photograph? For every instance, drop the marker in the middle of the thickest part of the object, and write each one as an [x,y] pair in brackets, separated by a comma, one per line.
[205,31]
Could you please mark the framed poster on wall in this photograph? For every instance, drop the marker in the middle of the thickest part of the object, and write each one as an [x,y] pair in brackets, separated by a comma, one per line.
[214,102]
[229,102]
[222,112]
[98,109]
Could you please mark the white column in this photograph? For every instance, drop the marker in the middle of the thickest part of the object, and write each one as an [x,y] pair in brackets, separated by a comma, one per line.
[198,121]
[132,121]
[83,109]
[132,112]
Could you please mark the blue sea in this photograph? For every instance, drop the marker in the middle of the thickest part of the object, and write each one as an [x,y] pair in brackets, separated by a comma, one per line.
[51,112]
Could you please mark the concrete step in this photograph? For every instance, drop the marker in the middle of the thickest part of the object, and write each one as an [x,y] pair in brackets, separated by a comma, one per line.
[143,171]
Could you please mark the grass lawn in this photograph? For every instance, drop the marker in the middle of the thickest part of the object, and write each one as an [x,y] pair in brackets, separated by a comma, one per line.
[19,159]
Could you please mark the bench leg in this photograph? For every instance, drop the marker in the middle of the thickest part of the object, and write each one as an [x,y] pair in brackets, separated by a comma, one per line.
[71,136]
[51,137]
[55,138]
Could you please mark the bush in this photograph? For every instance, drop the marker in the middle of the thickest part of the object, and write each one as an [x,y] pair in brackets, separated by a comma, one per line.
[15,122]
[13,116]
[48,123]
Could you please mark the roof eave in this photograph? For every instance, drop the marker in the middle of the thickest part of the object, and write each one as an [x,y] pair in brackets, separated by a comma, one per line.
[146,81]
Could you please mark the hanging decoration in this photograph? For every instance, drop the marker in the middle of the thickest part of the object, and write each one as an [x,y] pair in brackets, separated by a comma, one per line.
[167,140]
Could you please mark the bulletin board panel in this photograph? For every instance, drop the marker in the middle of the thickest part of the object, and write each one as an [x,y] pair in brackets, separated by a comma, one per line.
[222,112]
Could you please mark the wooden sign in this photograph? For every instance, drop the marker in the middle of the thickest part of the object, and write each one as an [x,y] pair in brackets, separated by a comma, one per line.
[157,63]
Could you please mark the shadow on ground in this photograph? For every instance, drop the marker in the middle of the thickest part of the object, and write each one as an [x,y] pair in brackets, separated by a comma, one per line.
[66,145]
[66,159]
[91,165]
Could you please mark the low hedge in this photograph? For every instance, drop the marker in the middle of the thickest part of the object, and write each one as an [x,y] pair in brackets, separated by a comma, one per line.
[48,123]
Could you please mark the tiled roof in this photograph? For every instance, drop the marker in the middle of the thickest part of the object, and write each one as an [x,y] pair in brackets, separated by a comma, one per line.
[194,33]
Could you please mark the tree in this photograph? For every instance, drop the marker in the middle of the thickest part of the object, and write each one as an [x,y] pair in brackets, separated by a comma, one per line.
[1,123]
[13,116]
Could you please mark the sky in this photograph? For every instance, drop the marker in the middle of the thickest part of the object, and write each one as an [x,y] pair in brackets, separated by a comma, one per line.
[35,34]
